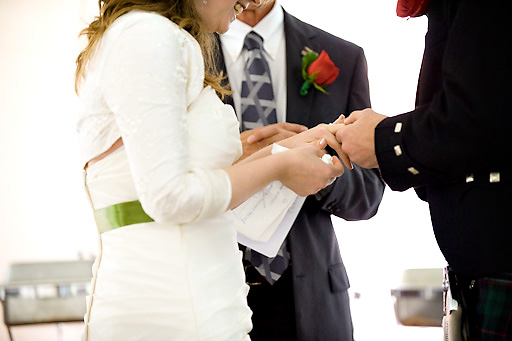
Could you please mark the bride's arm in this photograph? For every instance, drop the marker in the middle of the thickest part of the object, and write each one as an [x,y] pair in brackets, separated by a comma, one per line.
[301,169]
[149,101]
[146,81]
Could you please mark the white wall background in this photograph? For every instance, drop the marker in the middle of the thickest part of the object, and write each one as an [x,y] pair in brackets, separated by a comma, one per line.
[44,214]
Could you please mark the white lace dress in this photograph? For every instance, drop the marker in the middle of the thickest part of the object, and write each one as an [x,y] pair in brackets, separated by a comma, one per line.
[179,277]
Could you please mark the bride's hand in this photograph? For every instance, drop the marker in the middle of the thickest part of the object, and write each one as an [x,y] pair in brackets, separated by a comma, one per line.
[258,138]
[307,173]
[326,131]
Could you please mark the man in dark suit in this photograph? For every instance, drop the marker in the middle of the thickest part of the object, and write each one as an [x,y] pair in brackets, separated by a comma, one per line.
[310,300]
[454,149]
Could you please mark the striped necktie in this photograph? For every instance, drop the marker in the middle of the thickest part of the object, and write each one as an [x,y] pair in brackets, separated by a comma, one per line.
[259,109]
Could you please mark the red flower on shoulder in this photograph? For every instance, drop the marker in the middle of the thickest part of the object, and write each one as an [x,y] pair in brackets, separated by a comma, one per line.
[411,8]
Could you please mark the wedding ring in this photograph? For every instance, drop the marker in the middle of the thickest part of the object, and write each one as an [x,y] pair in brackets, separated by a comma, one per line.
[238,8]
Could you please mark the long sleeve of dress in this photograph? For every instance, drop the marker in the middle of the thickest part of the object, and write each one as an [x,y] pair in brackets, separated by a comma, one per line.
[152,72]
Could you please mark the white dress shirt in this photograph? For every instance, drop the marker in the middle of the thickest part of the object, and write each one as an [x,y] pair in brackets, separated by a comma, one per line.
[271,29]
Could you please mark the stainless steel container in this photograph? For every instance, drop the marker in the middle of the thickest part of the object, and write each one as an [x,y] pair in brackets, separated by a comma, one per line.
[46,292]
[418,299]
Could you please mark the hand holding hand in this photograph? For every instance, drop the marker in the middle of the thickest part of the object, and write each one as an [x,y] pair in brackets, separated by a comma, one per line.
[357,137]
[308,173]
[321,131]
[258,138]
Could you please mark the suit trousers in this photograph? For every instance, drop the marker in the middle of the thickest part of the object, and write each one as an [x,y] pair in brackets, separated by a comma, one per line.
[273,307]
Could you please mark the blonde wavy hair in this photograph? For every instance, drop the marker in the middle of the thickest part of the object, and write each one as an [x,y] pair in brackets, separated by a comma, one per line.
[181,12]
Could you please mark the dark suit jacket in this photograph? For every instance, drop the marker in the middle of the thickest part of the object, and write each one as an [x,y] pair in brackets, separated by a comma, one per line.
[461,126]
[320,280]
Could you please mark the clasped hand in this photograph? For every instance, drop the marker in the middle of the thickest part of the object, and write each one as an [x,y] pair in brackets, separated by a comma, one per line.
[307,146]
[357,137]
[292,135]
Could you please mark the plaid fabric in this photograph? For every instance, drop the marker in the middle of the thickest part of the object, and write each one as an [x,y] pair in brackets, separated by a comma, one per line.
[493,310]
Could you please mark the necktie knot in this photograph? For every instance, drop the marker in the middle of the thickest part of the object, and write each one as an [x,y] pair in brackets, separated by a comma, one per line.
[253,41]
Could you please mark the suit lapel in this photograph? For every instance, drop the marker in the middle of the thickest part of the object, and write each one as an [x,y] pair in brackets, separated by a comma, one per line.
[298,36]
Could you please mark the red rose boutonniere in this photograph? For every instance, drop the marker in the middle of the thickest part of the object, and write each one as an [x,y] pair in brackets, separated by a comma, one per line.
[411,8]
[317,70]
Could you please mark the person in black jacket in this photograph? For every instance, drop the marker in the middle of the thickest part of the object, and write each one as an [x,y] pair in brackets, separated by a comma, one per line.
[454,150]
[310,300]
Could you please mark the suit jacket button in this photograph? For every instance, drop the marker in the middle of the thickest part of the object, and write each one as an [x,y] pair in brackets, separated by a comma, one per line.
[413,171]
[494,177]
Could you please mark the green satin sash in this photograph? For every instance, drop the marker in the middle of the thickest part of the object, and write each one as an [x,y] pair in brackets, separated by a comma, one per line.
[119,215]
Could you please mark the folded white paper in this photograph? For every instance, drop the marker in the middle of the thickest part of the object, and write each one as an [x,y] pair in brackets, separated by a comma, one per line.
[272,245]
[258,217]
[264,220]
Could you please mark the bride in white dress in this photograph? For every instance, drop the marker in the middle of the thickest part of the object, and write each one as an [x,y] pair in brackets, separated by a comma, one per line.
[159,148]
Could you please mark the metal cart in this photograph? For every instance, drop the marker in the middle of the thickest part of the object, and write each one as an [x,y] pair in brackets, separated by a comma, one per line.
[45,292]
[418,299]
